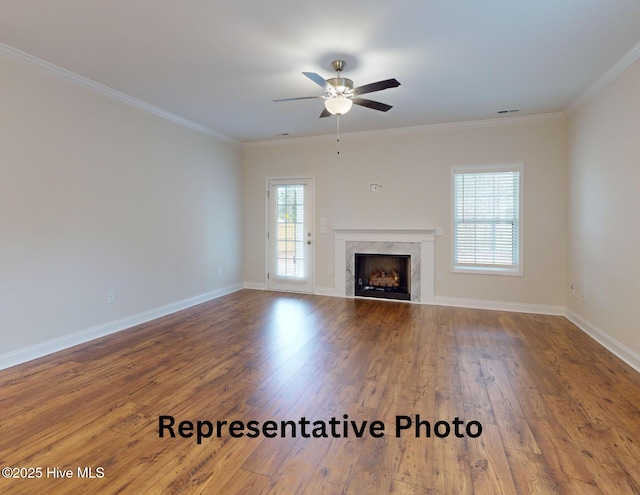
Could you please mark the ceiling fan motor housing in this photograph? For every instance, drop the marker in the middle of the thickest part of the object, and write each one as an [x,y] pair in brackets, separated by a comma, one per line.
[341,84]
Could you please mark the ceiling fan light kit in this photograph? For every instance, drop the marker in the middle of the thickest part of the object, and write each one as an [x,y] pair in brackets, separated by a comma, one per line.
[338,105]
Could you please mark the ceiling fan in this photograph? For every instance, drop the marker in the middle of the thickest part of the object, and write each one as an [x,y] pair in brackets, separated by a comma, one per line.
[339,93]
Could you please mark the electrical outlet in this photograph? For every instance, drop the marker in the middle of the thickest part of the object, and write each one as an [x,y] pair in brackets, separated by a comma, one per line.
[439,231]
[111,297]
[440,278]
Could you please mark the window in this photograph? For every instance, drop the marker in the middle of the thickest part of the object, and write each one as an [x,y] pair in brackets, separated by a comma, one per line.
[290,231]
[487,219]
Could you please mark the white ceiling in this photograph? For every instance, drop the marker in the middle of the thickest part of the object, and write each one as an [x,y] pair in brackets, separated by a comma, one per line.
[220,63]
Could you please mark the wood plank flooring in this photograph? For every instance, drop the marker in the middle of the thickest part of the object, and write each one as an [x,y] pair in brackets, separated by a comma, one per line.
[557,412]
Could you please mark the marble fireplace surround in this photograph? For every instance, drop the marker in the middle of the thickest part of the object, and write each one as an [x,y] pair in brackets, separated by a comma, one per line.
[418,243]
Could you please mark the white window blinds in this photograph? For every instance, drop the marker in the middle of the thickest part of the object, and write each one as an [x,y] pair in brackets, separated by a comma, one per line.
[487,218]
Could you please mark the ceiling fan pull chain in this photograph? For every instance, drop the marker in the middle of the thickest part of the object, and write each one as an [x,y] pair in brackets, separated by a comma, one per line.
[338,138]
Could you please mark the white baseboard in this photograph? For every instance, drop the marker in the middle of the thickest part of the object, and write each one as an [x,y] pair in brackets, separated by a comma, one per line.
[604,339]
[620,350]
[255,285]
[516,307]
[42,349]
[320,291]
[324,291]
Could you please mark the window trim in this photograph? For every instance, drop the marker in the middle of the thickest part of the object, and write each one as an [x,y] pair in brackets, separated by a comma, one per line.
[489,270]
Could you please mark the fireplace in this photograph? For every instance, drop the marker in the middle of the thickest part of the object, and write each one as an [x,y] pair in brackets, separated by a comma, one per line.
[383,275]
[418,243]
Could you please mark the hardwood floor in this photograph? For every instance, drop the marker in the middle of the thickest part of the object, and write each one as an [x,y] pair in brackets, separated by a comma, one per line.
[556,412]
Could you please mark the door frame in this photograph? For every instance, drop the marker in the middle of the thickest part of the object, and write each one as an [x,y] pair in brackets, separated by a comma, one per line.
[267,254]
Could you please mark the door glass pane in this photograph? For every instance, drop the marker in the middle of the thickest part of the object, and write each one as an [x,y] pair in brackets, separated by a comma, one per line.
[290,231]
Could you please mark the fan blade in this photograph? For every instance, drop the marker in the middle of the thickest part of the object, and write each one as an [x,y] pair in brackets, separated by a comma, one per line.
[376,86]
[319,80]
[299,98]
[376,105]
[325,113]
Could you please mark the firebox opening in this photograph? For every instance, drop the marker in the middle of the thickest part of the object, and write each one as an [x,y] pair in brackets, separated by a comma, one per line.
[383,275]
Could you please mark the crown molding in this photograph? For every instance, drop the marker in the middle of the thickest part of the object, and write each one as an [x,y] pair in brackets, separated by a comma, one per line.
[613,72]
[114,94]
[449,126]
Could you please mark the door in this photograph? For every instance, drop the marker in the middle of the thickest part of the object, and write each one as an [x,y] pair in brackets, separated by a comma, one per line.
[290,235]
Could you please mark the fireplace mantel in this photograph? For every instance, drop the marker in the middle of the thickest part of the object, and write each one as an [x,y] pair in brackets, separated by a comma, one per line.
[420,241]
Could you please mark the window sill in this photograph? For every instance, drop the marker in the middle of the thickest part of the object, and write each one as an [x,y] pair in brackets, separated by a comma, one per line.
[484,270]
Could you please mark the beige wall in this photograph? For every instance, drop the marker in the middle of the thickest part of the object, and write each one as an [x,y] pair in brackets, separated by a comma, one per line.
[414,169]
[603,208]
[97,196]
